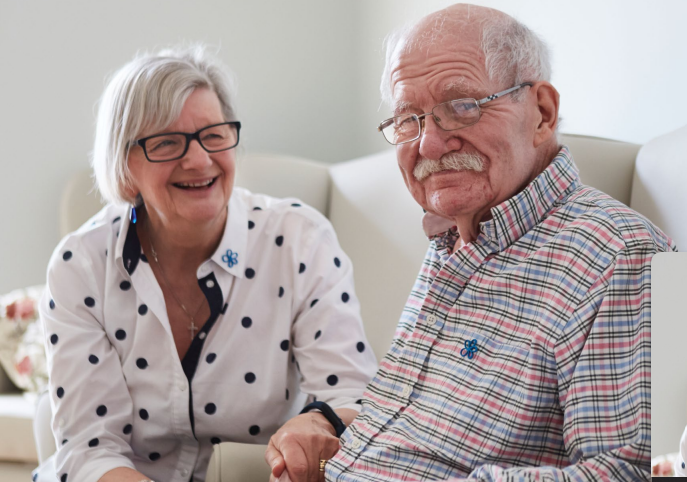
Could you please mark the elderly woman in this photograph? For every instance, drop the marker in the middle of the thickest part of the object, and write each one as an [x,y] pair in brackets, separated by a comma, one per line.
[188,311]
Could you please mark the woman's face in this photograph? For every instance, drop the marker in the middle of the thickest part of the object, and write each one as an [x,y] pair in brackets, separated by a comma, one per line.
[178,191]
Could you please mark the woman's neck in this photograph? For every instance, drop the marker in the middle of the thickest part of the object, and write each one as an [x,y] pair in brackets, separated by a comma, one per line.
[181,246]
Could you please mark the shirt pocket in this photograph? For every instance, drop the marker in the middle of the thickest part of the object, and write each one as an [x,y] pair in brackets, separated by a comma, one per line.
[472,406]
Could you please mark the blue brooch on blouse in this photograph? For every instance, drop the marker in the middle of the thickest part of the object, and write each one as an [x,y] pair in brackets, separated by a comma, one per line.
[470,349]
[231,258]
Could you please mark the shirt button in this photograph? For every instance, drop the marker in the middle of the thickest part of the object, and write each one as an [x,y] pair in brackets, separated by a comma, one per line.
[184,473]
[182,387]
[210,284]
[431,319]
[406,391]
[202,335]
[355,443]
[61,422]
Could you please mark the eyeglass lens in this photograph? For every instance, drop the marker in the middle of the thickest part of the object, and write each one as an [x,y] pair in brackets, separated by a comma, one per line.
[451,115]
[171,146]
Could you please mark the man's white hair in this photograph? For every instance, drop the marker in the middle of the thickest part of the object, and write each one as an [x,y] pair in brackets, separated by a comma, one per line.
[148,94]
[513,53]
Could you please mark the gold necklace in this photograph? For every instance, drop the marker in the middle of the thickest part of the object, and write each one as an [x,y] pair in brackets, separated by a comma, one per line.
[193,328]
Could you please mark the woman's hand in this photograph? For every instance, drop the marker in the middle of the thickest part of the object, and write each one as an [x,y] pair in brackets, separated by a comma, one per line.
[295,451]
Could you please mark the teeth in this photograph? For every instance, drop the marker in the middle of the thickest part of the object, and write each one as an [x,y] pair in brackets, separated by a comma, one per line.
[195,184]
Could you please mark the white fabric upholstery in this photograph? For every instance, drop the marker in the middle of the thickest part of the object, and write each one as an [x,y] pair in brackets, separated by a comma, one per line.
[658,188]
[234,462]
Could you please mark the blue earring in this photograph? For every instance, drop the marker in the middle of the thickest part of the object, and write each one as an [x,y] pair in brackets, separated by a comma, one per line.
[132,214]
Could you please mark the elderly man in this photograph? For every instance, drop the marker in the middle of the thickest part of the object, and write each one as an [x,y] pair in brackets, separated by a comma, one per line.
[523,352]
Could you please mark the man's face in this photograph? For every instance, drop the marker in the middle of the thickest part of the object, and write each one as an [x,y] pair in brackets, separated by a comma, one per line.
[453,68]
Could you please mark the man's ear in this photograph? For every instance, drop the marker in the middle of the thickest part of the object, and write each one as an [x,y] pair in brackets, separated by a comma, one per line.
[547,100]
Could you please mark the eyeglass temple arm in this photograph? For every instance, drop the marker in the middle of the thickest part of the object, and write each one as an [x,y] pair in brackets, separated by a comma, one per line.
[501,94]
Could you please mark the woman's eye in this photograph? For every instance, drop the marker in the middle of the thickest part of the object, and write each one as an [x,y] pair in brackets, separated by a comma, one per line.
[161,144]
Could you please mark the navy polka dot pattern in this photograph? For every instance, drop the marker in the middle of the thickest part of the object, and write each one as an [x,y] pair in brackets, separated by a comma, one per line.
[318,333]
[63,478]
[332,380]
[116,219]
[65,441]
[360,346]
[283,288]
[345,297]
[257,208]
[60,392]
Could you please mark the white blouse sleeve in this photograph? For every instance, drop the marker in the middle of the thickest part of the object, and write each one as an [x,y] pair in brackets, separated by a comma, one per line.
[92,407]
[335,360]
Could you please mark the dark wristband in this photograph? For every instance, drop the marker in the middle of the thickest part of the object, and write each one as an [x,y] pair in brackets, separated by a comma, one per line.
[329,414]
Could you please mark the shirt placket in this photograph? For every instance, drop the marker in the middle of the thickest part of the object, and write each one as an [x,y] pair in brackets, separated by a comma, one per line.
[444,290]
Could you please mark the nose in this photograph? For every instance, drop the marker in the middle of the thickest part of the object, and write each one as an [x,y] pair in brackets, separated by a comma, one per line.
[196,157]
[434,141]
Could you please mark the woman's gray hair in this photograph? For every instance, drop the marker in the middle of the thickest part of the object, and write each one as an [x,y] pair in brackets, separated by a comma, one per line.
[148,94]
[513,53]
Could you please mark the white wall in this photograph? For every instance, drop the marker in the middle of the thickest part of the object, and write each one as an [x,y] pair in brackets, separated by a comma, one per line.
[620,68]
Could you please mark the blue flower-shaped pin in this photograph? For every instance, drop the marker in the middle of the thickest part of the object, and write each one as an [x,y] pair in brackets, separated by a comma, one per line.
[230,258]
[470,349]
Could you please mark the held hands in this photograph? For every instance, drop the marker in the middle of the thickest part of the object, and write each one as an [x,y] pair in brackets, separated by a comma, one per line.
[295,451]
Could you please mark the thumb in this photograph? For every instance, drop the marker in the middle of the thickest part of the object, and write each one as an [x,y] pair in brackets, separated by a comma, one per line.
[274,460]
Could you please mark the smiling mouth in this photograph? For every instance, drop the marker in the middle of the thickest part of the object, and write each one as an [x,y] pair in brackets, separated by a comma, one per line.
[195,186]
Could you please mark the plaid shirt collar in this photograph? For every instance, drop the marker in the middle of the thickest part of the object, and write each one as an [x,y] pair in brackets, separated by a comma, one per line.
[514,217]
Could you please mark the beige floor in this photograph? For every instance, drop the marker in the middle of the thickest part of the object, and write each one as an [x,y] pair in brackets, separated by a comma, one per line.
[10,472]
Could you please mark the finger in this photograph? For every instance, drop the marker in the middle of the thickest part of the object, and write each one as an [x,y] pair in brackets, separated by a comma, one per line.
[297,464]
[274,459]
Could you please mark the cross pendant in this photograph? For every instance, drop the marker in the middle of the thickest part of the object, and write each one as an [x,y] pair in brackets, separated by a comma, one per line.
[193,329]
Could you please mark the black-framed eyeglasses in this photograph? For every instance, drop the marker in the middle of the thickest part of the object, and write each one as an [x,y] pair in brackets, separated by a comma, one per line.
[449,116]
[171,146]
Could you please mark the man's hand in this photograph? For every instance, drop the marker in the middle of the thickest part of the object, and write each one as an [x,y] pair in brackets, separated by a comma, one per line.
[295,451]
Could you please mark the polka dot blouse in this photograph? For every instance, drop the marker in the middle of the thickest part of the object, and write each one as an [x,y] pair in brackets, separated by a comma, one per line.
[284,329]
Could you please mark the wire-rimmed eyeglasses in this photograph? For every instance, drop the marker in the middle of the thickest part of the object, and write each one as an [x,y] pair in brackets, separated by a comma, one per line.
[171,146]
[449,116]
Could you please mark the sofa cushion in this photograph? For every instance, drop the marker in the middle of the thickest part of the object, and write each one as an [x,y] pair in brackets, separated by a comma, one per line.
[658,190]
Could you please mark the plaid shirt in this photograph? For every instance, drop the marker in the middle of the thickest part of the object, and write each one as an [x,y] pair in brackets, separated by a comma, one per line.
[524,355]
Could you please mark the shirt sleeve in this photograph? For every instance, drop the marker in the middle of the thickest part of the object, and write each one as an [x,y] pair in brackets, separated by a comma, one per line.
[604,377]
[92,408]
[334,357]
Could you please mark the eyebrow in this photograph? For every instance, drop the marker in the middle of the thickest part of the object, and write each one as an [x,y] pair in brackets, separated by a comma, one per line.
[456,89]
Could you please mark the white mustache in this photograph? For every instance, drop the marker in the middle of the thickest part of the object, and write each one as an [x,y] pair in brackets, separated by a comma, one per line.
[452,161]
